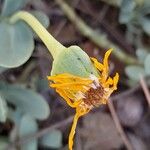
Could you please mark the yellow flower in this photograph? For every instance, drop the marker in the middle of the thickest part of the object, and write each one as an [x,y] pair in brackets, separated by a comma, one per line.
[81,83]
[84,93]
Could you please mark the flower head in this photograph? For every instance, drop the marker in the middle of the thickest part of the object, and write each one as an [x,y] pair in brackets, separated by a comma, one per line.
[82,83]
[85,93]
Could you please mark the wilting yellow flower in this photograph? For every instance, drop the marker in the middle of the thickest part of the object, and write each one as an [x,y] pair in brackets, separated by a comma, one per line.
[83,94]
[80,82]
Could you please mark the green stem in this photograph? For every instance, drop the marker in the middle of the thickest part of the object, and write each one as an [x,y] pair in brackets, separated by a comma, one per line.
[51,43]
[99,39]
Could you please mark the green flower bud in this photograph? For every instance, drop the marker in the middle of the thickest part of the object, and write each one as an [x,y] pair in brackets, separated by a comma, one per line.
[75,61]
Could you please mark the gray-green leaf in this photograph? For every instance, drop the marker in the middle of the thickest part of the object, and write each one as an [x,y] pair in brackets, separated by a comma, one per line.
[147,65]
[52,139]
[2,69]
[28,101]
[15,115]
[134,72]
[28,126]
[141,54]
[126,11]
[10,6]
[3,143]
[145,22]
[42,84]
[3,109]
[16,44]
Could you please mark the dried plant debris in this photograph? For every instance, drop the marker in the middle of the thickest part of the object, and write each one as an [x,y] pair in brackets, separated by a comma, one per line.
[137,142]
[130,109]
[99,132]
[143,128]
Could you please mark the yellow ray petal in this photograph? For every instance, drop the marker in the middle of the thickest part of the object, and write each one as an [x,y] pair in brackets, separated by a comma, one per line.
[66,80]
[70,84]
[66,76]
[105,61]
[97,64]
[108,82]
[79,112]
[115,79]
[66,98]
[72,132]
[106,67]
[114,86]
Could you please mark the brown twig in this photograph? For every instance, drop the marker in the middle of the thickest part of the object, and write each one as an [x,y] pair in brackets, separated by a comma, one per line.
[145,89]
[36,135]
[118,126]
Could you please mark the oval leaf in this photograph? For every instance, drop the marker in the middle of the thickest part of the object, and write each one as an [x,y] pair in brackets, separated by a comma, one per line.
[141,54]
[28,126]
[145,22]
[147,65]
[15,115]
[16,44]
[126,11]
[2,69]
[3,110]
[10,6]
[28,101]
[52,140]
[3,143]
[134,72]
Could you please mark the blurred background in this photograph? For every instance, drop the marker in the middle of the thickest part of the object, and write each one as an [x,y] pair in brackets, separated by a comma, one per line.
[33,116]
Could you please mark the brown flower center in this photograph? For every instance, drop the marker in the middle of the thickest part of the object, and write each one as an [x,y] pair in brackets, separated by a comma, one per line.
[94,97]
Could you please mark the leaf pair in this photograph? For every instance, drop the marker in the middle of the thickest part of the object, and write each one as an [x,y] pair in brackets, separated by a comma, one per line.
[27,101]
[16,40]
[135,13]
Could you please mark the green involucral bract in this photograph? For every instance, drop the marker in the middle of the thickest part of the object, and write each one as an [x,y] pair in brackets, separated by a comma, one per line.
[75,61]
